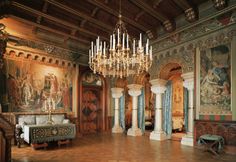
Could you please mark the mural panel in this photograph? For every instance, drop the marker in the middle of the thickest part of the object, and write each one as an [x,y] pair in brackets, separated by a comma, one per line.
[215,76]
[90,78]
[30,84]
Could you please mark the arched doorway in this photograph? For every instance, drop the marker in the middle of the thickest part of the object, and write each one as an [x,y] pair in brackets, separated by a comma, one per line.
[144,80]
[147,97]
[92,110]
[172,72]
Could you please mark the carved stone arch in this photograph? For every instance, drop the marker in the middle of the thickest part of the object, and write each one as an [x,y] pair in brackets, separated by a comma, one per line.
[43,59]
[12,53]
[63,63]
[182,57]
[57,62]
[155,73]
[141,79]
[36,57]
[165,70]
[20,54]
[121,83]
[50,60]
[29,56]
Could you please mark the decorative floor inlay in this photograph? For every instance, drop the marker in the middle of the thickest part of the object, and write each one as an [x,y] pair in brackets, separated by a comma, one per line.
[117,148]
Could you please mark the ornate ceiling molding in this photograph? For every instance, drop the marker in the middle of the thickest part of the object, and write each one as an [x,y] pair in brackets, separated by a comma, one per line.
[18,54]
[196,30]
[220,4]
[47,50]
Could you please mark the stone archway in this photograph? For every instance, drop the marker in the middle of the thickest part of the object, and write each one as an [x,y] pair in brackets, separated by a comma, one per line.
[172,71]
[169,70]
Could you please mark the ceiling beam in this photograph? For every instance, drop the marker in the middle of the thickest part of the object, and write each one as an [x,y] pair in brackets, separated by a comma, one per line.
[190,11]
[60,21]
[116,14]
[141,4]
[139,15]
[94,12]
[168,24]
[51,30]
[103,26]
[183,4]
[156,3]
[44,10]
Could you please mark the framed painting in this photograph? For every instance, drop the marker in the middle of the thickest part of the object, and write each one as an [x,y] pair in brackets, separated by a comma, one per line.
[214,80]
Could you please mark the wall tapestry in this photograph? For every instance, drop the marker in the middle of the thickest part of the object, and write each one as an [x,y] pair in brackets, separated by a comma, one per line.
[215,76]
[30,84]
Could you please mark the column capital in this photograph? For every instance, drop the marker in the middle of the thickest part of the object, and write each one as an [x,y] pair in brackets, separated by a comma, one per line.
[117,92]
[188,80]
[134,89]
[158,82]
[158,85]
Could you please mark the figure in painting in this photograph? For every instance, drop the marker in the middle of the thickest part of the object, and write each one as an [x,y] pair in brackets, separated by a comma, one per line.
[54,85]
[66,96]
[26,92]
[12,87]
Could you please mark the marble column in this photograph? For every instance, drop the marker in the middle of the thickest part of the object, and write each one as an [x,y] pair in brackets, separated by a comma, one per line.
[116,94]
[134,91]
[189,84]
[158,87]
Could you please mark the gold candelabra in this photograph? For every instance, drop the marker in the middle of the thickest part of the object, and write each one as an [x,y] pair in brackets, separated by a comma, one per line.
[49,107]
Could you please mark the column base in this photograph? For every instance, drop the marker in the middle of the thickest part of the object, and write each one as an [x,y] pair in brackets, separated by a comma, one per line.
[159,136]
[117,129]
[134,132]
[187,140]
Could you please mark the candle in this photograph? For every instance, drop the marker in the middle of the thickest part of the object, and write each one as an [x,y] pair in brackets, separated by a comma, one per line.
[114,41]
[92,48]
[123,43]
[147,48]
[140,40]
[151,53]
[89,56]
[134,48]
[127,41]
[118,33]
[110,42]
[101,48]
[104,49]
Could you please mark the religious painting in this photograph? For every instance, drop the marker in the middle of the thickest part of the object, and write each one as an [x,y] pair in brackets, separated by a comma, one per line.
[30,84]
[90,78]
[215,80]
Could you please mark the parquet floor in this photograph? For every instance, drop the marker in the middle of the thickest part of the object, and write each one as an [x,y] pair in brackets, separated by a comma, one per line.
[117,148]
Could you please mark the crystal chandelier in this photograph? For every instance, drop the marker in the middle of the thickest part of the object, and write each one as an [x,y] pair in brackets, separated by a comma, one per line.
[121,57]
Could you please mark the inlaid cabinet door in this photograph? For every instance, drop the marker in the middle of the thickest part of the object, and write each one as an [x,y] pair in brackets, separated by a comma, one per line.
[90,110]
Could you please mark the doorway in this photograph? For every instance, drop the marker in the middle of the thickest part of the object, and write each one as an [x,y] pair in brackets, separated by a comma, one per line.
[92,111]
[178,128]
[174,112]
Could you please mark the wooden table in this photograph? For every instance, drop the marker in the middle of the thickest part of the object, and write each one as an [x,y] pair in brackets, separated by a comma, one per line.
[212,143]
